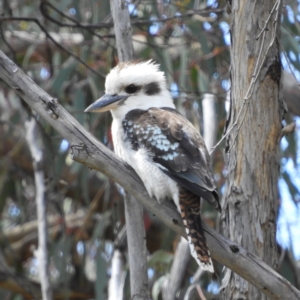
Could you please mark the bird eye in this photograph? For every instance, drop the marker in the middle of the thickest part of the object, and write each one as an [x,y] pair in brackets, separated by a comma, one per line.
[130,89]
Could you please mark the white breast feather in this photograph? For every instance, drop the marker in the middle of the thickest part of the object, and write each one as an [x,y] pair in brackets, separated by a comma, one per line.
[157,183]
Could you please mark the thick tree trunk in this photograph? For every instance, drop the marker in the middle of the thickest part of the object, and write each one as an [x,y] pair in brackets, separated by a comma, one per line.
[249,211]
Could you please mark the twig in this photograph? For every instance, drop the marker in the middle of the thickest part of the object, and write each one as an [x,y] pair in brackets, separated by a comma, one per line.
[51,39]
[7,6]
[18,232]
[49,53]
[79,25]
[276,5]
[91,211]
[199,290]
[133,22]
[188,294]
[286,130]
[287,60]
[281,258]
[47,16]
[7,274]
[42,252]
[88,150]
[23,243]
[2,33]
[19,284]
[182,16]
[110,25]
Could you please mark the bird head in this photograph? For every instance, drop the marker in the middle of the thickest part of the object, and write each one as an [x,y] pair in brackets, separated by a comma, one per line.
[133,85]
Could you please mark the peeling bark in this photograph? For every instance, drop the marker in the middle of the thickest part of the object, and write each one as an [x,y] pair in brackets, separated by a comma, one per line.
[250,205]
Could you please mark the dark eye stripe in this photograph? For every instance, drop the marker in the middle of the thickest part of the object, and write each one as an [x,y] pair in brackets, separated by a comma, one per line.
[152,88]
[131,89]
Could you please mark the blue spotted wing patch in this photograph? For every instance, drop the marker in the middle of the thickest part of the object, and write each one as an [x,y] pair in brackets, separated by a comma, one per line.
[173,142]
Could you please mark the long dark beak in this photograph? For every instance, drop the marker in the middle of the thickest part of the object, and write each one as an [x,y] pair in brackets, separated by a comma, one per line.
[106,102]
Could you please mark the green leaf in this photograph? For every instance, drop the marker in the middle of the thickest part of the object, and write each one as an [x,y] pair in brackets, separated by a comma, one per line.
[167,66]
[102,223]
[84,182]
[79,105]
[30,51]
[68,67]
[4,168]
[183,67]
[203,82]
[61,256]
[102,280]
[292,188]
[290,45]
[94,88]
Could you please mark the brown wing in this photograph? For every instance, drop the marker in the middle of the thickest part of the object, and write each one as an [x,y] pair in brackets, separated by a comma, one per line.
[174,144]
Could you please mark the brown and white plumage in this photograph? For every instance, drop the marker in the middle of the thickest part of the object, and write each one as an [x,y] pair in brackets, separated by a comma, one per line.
[161,145]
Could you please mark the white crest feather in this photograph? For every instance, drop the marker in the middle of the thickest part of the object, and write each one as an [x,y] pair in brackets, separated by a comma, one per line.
[139,74]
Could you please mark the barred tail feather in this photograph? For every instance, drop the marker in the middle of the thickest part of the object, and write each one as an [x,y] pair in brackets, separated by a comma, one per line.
[190,213]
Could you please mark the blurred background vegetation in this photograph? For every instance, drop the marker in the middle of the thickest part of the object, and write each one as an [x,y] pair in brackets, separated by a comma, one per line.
[67,47]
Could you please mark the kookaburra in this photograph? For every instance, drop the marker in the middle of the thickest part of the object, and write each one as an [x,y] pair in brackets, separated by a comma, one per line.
[163,147]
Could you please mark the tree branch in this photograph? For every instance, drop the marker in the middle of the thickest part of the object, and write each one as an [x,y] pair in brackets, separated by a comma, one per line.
[31,290]
[102,25]
[177,271]
[58,45]
[43,9]
[88,150]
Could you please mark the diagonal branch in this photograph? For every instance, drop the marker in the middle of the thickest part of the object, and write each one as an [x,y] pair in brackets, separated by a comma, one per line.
[88,150]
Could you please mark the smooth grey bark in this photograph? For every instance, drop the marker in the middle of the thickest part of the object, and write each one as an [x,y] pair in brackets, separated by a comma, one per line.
[86,149]
[39,178]
[134,213]
[178,268]
[122,28]
[137,251]
[251,197]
